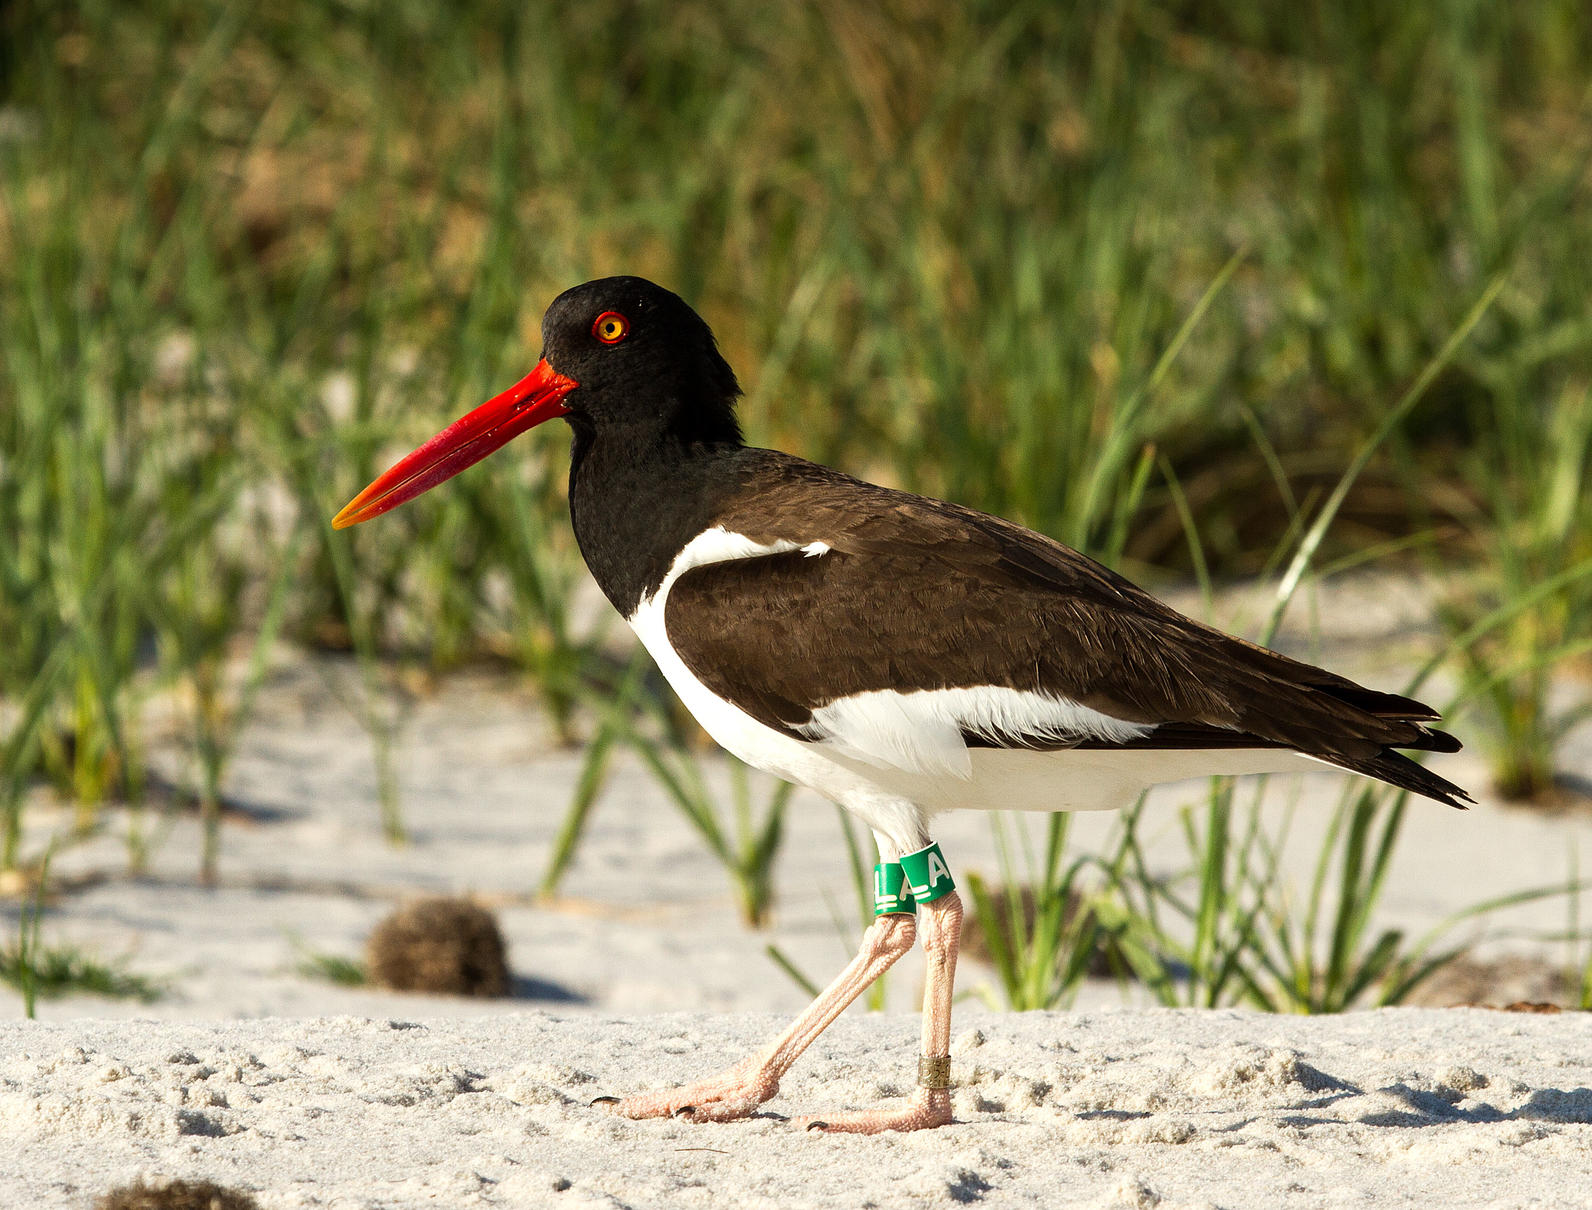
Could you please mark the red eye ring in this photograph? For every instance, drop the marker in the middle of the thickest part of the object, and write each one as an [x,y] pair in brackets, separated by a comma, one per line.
[610,327]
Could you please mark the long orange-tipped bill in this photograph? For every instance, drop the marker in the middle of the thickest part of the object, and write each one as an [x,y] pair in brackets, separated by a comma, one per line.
[537,397]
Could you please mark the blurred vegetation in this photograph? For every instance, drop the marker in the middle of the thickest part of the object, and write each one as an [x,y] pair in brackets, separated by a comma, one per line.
[251,252]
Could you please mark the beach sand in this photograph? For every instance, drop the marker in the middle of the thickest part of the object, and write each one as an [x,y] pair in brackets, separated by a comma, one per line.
[1131,1108]
[639,974]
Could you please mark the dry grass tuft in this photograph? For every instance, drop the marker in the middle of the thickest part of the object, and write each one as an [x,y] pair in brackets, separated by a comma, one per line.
[176,1195]
[439,944]
[1511,980]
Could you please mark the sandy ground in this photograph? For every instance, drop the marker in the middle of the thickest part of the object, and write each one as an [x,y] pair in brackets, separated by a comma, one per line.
[1125,1108]
[250,1073]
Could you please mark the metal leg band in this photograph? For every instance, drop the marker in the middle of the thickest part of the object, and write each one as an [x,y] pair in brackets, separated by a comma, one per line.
[934,1071]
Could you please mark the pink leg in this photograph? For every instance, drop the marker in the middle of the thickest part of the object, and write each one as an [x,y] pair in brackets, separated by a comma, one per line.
[740,1090]
[941,925]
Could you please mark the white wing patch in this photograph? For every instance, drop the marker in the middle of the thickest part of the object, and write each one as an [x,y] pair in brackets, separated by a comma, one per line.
[720,545]
[724,721]
[922,731]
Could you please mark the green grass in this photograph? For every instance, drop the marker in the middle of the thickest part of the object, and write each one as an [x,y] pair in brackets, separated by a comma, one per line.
[51,971]
[332,968]
[1042,926]
[741,829]
[54,971]
[1112,271]
[1530,527]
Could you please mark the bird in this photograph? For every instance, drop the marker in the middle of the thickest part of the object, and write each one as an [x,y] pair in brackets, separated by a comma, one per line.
[903,656]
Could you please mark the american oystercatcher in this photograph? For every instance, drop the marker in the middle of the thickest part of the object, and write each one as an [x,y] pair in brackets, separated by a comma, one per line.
[901,655]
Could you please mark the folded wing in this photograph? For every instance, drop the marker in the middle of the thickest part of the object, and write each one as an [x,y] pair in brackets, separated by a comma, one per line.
[915,630]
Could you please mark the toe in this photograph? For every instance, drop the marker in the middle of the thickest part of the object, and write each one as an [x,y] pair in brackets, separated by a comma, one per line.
[916,1116]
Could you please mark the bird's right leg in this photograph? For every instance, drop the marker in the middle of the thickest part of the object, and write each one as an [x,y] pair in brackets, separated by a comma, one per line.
[736,1093]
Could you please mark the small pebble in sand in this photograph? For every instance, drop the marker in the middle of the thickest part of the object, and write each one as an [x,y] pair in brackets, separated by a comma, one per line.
[439,944]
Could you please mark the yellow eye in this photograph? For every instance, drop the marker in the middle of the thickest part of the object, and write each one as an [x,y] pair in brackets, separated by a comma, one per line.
[611,327]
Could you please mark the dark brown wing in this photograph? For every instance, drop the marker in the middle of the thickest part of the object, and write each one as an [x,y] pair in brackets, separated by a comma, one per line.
[918,594]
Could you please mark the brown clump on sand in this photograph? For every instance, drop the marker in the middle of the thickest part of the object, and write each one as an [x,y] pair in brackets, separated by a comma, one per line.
[177,1195]
[1512,980]
[439,944]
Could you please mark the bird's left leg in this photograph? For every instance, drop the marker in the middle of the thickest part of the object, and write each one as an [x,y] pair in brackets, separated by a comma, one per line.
[940,927]
[737,1092]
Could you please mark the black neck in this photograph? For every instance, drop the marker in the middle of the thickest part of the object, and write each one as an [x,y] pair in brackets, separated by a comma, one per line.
[636,497]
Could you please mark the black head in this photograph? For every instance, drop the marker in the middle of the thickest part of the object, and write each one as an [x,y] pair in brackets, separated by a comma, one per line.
[643,359]
[621,357]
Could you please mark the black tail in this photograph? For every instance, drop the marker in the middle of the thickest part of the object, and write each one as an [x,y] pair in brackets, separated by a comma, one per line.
[1399,770]
[1393,766]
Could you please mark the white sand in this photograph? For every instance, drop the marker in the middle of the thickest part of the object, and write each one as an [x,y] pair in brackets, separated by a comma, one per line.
[251,1074]
[1132,1108]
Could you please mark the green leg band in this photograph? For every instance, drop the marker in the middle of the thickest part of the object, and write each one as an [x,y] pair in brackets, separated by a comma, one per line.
[890,894]
[927,874]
